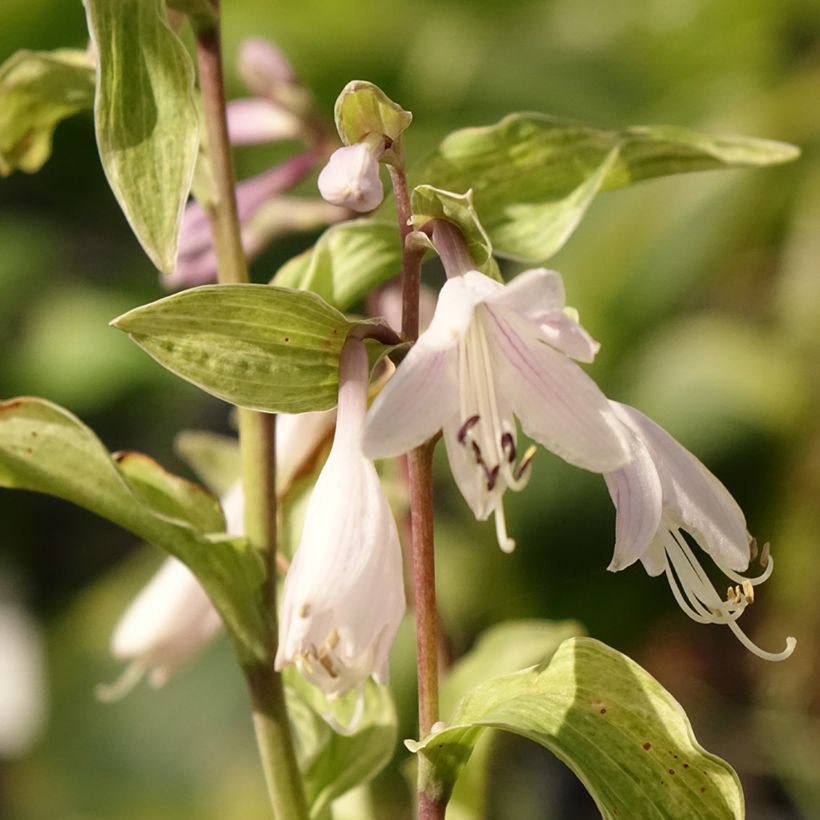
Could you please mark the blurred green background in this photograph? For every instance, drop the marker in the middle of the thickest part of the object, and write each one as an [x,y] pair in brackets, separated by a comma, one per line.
[704,290]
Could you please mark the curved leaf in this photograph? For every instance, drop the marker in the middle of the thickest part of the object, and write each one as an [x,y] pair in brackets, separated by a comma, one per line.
[146,119]
[257,346]
[45,449]
[611,722]
[533,176]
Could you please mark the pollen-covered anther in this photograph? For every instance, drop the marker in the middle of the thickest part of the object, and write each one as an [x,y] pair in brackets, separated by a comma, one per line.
[508,446]
[525,462]
[748,591]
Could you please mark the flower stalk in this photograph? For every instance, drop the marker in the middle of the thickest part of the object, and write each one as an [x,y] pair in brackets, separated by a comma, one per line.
[256,434]
[420,480]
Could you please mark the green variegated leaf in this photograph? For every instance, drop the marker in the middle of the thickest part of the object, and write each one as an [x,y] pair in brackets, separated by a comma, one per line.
[363,109]
[146,118]
[45,449]
[333,763]
[257,346]
[348,261]
[533,176]
[37,90]
[625,737]
[506,647]
[429,203]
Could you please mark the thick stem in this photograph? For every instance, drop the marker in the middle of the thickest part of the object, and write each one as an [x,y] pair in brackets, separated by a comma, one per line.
[257,441]
[420,479]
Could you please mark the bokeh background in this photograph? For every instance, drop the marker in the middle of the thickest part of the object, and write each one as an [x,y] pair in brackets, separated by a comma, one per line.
[704,290]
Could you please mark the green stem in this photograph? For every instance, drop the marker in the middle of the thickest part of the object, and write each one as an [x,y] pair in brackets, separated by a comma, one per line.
[420,480]
[257,442]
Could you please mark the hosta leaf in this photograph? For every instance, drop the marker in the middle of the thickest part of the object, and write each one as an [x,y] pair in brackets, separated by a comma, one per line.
[506,647]
[37,90]
[146,119]
[533,176]
[45,449]
[612,723]
[333,763]
[347,262]
[257,346]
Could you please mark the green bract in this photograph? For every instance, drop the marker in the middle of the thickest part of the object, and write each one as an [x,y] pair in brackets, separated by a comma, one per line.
[45,449]
[146,119]
[348,261]
[615,726]
[429,203]
[533,176]
[256,346]
[363,109]
[334,763]
[37,90]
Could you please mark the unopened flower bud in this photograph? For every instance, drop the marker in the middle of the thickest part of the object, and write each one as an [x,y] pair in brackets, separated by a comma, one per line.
[262,66]
[351,178]
[254,120]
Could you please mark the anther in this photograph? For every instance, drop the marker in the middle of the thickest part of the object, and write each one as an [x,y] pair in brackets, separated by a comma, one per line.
[525,462]
[508,446]
[304,610]
[492,477]
[764,555]
[748,591]
[466,427]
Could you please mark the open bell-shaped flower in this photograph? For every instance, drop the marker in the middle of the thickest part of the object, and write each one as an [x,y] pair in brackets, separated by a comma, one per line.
[344,592]
[665,493]
[492,353]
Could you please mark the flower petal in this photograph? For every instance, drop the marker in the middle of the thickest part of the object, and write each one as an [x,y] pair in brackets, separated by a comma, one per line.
[533,294]
[469,478]
[414,404]
[557,403]
[253,121]
[696,499]
[636,494]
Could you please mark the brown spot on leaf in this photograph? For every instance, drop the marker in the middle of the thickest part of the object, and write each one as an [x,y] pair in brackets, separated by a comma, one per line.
[685,765]
[287,338]
[702,789]
[603,710]
[671,771]
[647,746]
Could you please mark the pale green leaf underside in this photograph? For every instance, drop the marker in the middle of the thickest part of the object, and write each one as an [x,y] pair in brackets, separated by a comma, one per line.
[348,261]
[146,119]
[429,203]
[334,763]
[214,458]
[45,449]
[614,725]
[256,346]
[37,90]
[533,176]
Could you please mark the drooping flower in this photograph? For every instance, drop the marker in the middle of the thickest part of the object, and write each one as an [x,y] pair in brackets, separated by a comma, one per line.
[351,177]
[172,619]
[665,493]
[344,592]
[493,353]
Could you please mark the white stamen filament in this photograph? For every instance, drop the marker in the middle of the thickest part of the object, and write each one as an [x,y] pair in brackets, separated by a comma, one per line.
[488,436]
[698,598]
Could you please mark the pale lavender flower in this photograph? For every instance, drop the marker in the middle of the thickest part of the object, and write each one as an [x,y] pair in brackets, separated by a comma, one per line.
[351,177]
[665,492]
[254,121]
[344,593]
[493,353]
[262,66]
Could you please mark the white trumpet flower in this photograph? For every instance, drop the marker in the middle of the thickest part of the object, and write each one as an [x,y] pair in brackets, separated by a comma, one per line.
[665,492]
[344,592]
[351,177]
[492,353]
